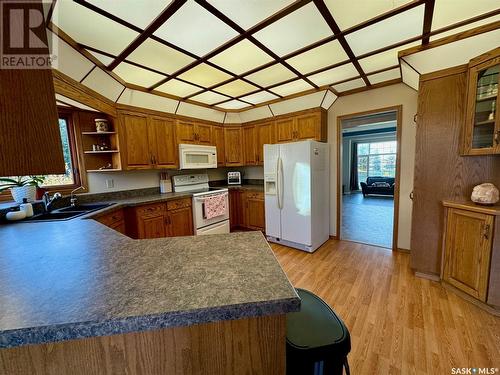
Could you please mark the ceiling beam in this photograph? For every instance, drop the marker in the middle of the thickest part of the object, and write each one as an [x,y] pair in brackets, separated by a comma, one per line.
[168,12]
[428,13]
[320,4]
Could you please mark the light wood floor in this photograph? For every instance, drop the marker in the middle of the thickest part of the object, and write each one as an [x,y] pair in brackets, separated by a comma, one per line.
[399,324]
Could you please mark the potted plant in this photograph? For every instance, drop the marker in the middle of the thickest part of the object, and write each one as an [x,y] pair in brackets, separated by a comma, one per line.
[21,187]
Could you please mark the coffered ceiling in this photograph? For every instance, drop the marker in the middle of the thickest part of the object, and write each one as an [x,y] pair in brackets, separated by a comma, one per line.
[235,54]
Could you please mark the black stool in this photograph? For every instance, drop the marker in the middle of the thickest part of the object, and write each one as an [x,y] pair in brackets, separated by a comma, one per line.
[317,340]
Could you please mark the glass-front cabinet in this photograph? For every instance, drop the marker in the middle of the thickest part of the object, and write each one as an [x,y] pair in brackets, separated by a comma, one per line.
[482,127]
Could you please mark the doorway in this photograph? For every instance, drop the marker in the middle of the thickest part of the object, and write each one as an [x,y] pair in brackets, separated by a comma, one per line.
[368,169]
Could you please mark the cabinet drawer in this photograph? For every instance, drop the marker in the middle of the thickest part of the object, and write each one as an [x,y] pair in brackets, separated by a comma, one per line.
[111,218]
[150,210]
[178,203]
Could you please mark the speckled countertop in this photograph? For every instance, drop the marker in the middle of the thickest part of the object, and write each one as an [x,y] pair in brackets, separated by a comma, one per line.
[78,278]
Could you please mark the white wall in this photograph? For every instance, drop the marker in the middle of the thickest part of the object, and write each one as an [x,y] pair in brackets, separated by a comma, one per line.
[399,94]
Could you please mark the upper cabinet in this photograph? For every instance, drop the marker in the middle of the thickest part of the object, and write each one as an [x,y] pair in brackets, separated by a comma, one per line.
[162,145]
[193,133]
[266,134]
[310,125]
[233,146]
[249,145]
[482,125]
[218,142]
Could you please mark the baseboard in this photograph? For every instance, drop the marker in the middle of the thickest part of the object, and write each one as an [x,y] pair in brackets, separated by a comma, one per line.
[407,251]
[428,276]
[490,309]
[334,237]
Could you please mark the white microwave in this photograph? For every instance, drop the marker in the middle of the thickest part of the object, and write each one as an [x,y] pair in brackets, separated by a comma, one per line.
[197,157]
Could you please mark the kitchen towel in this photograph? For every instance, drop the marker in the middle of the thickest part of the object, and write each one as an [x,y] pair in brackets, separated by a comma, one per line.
[215,206]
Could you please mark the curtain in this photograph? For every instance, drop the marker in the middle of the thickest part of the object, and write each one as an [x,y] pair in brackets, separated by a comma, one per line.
[354,183]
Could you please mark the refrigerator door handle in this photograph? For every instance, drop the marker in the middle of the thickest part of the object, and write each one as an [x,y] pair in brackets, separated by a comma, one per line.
[280,183]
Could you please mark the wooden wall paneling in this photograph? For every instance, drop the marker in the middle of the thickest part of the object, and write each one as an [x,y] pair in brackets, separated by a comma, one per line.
[162,142]
[249,145]
[232,347]
[133,129]
[440,172]
[233,145]
[29,132]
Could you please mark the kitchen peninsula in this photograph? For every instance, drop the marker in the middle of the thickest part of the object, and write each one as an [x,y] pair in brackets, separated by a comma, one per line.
[96,301]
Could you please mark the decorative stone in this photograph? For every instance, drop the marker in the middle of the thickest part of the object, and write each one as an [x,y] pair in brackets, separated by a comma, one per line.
[486,194]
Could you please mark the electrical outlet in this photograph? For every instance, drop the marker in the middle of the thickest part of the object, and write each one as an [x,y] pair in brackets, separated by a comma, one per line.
[110,183]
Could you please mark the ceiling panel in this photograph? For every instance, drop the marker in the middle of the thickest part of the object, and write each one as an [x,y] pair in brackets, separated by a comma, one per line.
[137,76]
[236,88]
[349,85]
[178,88]
[409,76]
[384,76]
[101,82]
[241,57]
[466,27]
[269,76]
[139,13]
[259,97]
[209,97]
[159,57]
[292,87]
[384,59]
[195,29]
[106,60]
[347,14]
[387,32]
[204,75]
[89,28]
[447,12]
[233,104]
[334,75]
[249,13]
[298,29]
[319,57]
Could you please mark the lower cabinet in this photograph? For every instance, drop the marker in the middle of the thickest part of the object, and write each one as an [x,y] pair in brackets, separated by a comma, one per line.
[115,220]
[246,209]
[469,240]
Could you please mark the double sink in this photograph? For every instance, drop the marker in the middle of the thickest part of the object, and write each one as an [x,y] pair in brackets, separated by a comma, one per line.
[67,213]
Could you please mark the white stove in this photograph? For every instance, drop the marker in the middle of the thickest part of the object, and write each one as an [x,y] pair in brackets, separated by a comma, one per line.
[198,184]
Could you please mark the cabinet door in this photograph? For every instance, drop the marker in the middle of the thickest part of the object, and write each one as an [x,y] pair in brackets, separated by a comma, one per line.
[308,127]
[154,226]
[203,134]
[249,145]
[135,135]
[265,135]
[467,251]
[185,132]
[162,142]
[233,146]
[218,141]
[285,130]
[180,222]
[482,135]
[235,208]
[254,207]
[119,226]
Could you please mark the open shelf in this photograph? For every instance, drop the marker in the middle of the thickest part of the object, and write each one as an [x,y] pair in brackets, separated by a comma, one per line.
[101,152]
[486,98]
[97,133]
[487,122]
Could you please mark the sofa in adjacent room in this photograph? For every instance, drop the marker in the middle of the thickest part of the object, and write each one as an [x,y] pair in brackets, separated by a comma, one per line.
[378,186]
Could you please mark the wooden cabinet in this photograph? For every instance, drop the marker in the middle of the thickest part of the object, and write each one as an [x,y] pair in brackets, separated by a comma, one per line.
[254,210]
[235,208]
[249,145]
[233,146]
[115,220]
[157,220]
[468,246]
[218,142]
[193,132]
[312,125]
[265,135]
[148,141]
[482,125]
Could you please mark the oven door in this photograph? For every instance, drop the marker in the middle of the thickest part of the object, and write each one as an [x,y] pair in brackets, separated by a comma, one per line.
[199,212]
[218,228]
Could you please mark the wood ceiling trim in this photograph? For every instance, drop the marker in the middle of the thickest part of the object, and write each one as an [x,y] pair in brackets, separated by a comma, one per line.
[428,13]
[320,4]
[168,12]
[372,87]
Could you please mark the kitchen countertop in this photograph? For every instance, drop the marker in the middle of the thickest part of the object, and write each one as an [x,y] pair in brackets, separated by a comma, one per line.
[78,278]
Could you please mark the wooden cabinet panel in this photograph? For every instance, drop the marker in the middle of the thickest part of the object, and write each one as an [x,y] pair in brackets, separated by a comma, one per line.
[115,220]
[162,142]
[233,146]
[308,127]
[285,130]
[254,210]
[135,133]
[119,226]
[218,142]
[153,226]
[180,222]
[265,135]
[185,132]
[467,251]
[249,145]
[203,134]
[235,208]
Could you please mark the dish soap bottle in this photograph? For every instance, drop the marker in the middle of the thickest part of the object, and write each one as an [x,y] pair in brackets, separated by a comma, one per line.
[27,207]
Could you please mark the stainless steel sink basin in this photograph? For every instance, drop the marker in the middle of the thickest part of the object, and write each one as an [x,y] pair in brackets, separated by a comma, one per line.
[54,216]
[85,207]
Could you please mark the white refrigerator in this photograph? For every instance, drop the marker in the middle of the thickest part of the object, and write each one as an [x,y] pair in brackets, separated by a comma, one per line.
[297,201]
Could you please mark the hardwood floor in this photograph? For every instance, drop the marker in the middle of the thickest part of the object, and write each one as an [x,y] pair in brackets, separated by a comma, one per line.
[399,324]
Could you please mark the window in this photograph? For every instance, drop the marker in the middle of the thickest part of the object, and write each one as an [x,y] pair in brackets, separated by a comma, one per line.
[376,159]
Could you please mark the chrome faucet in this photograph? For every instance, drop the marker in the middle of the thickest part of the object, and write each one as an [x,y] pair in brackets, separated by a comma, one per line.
[73,198]
[47,200]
